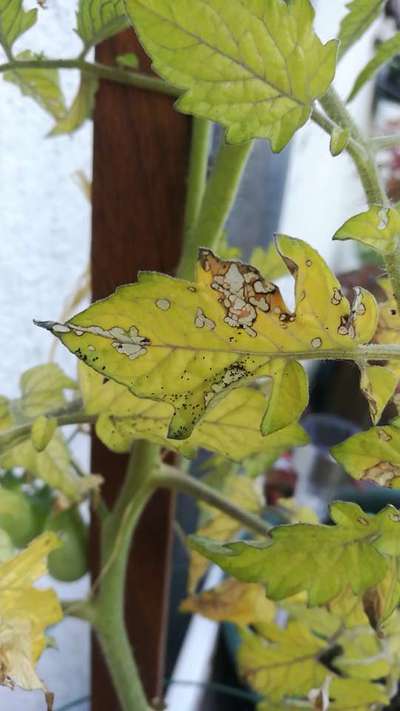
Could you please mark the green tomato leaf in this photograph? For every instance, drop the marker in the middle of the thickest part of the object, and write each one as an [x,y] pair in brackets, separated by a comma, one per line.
[80,109]
[14,21]
[361,14]
[378,228]
[219,526]
[42,85]
[321,560]
[129,60]
[386,51]
[373,455]
[255,69]
[99,19]
[188,344]
[53,466]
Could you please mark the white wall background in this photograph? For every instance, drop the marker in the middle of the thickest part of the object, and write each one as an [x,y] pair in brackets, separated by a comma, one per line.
[44,246]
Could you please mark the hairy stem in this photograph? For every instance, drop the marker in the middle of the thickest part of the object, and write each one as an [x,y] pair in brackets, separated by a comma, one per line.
[364,159]
[218,200]
[197,182]
[101,71]
[117,534]
[197,178]
[171,478]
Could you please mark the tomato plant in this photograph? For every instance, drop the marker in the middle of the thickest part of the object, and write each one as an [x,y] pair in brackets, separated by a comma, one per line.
[214,359]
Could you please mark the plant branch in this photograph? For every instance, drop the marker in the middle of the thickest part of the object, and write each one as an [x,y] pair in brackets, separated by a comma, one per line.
[15,435]
[171,478]
[117,534]
[197,178]
[364,159]
[218,200]
[101,71]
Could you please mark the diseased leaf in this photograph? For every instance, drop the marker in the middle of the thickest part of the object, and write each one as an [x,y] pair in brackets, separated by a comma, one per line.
[42,85]
[14,21]
[252,67]
[321,560]
[80,109]
[188,344]
[231,428]
[240,603]
[25,613]
[99,19]
[373,455]
[386,51]
[219,526]
[53,466]
[379,382]
[378,228]
[361,14]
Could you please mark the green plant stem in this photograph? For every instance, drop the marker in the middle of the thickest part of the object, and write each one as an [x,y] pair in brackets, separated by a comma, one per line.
[171,478]
[100,71]
[363,156]
[197,178]
[15,435]
[117,534]
[218,200]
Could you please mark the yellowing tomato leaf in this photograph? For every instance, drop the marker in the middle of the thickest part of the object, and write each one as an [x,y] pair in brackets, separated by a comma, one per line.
[255,69]
[241,603]
[378,228]
[99,19]
[361,14]
[80,109]
[386,50]
[43,390]
[373,455]
[42,85]
[42,431]
[217,525]
[187,344]
[14,21]
[52,465]
[25,613]
[288,666]
[321,560]
[362,655]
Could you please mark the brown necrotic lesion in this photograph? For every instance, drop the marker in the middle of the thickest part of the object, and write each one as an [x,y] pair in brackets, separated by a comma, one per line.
[243,292]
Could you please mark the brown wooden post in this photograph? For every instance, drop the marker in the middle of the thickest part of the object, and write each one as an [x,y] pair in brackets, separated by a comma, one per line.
[141,148]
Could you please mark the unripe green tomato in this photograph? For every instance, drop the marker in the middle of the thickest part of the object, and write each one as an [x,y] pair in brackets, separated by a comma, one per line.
[68,562]
[17,517]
